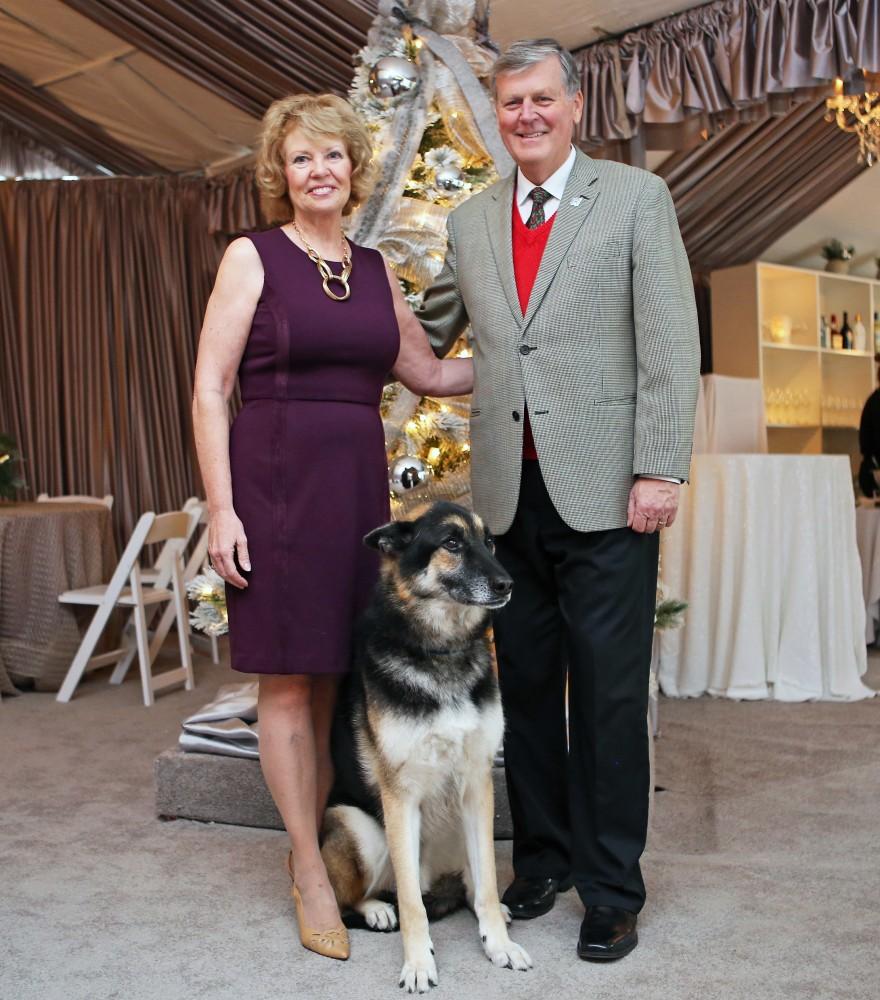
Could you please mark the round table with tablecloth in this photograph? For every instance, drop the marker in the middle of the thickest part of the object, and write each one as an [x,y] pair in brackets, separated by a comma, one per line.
[45,549]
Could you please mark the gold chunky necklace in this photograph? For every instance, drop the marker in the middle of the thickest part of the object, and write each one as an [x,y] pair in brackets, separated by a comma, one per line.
[324,270]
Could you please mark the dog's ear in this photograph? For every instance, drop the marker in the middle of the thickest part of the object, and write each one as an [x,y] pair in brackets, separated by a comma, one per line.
[391,538]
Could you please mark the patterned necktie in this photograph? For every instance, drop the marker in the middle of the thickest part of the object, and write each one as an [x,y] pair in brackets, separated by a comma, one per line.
[539,198]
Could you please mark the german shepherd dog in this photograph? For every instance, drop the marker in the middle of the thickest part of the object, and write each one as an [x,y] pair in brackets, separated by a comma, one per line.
[417,728]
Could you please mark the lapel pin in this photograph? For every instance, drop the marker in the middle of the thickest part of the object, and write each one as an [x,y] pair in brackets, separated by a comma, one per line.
[576,201]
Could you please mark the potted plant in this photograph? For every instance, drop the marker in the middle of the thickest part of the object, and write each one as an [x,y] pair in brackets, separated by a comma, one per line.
[10,481]
[837,257]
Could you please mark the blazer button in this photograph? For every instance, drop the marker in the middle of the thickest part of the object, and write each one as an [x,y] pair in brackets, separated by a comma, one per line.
[524,349]
[516,414]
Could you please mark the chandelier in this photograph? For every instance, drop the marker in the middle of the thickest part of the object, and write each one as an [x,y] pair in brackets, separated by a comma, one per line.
[859,113]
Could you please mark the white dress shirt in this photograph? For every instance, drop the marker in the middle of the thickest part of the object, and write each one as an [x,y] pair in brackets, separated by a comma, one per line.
[555,187]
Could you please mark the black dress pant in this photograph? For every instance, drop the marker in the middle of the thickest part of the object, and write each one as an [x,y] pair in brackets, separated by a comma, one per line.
[583,611]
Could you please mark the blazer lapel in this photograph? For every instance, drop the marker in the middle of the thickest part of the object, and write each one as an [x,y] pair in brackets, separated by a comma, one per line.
[581,191]
[500,222]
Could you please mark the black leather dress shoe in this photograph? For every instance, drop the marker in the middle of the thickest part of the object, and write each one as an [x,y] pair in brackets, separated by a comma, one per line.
[607,933]
[532,897]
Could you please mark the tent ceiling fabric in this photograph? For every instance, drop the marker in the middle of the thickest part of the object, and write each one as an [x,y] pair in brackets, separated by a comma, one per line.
[742,189]
[50,123]
[166,88]
[249,51]
[576,23]
[148,107]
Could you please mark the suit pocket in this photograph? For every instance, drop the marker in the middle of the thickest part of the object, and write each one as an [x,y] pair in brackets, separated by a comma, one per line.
[475,413]
[586,254]
[627,400]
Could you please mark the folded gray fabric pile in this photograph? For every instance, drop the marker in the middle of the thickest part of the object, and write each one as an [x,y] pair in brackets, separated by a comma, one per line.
[227,726]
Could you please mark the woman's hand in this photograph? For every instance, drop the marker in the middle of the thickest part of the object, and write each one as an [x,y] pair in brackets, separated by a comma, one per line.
[226,538]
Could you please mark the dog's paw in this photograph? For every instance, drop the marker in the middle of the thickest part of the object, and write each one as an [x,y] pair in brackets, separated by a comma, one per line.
[506,954]
[419,975]
[505,912]
[379,916]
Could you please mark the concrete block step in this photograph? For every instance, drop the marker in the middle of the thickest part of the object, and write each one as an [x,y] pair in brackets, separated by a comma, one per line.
[218,789]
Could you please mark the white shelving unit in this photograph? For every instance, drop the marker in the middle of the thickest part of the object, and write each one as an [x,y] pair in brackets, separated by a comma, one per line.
[814,395]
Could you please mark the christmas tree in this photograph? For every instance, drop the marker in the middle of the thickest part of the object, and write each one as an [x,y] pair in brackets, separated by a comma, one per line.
[419,87]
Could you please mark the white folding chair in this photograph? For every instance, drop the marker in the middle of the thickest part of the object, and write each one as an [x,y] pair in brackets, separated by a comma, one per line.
[158,575]
[198,510]
[150,529]
[159,569]
[106,500]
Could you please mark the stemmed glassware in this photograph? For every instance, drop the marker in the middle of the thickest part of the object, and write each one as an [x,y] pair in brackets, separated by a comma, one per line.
[790,407]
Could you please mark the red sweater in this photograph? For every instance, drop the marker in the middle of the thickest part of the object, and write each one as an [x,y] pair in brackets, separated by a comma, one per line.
[528,248]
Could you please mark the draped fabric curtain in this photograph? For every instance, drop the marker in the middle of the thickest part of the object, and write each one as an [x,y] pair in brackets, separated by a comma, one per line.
[103,285]
[722,63]
[234,203]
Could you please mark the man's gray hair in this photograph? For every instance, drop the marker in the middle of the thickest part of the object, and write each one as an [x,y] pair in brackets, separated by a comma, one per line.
[521,55]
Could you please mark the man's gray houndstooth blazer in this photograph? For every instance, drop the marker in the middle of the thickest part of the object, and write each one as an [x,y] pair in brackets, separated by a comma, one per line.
[607,356]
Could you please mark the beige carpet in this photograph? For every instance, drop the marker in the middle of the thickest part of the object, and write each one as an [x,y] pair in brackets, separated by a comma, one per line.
[762,870]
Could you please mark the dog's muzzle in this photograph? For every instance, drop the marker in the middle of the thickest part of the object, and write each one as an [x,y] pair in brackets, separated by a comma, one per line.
[501,589]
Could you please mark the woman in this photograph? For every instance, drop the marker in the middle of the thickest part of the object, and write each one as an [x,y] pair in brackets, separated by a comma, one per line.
[311,324]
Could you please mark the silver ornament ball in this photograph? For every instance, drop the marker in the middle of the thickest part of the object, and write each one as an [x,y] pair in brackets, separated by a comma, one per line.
[393,76]
[407,473]
[448,178]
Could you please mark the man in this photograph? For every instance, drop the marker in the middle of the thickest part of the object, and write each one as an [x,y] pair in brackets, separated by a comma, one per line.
[574,278]
[869,443]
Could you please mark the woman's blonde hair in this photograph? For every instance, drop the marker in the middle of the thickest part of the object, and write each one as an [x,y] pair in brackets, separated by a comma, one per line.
[317,115]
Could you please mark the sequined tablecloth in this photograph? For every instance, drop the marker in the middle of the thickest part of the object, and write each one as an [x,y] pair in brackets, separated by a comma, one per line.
[764,550]
[45,549]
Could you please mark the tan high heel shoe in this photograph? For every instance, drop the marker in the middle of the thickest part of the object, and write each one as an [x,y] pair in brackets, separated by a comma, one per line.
[331,944]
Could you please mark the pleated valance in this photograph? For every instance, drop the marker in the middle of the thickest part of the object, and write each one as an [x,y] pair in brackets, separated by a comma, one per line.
[729,61]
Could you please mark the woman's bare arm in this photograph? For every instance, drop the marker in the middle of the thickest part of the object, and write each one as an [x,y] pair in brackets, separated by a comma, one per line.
[222,341]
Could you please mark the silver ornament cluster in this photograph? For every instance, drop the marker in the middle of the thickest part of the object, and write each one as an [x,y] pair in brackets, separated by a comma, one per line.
[448,178]
[408,473]
[392,76]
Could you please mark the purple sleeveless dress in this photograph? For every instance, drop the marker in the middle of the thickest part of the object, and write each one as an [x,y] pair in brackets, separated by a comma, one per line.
[307,452]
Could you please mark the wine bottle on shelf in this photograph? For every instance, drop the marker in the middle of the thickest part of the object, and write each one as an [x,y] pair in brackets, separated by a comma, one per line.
[836,339]
[860,334]
[847,334]
[823,332]
[877,333]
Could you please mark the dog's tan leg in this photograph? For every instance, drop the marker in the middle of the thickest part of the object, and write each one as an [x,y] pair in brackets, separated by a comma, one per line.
[478,811]
[402,829]
[342,859]
[355,854]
